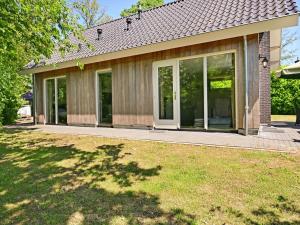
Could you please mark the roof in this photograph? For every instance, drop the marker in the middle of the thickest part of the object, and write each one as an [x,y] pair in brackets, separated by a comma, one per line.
[292,71]
[175,20]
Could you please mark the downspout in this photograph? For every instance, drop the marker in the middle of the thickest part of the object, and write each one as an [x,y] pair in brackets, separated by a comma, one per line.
[34,99]
[246,85]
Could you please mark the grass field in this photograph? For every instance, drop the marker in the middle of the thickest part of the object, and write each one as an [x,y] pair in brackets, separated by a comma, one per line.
[60,179]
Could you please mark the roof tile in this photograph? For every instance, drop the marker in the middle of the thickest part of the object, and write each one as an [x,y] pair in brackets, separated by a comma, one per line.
[177,20]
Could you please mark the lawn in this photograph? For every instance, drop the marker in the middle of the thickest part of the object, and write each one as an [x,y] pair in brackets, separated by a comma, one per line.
[60,179]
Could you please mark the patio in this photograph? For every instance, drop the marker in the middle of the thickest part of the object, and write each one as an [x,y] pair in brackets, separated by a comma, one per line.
[281,136]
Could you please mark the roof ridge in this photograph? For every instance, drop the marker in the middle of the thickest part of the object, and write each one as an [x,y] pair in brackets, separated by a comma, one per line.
[120,18]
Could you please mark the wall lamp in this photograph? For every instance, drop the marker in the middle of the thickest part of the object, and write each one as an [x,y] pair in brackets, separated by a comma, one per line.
[264,61]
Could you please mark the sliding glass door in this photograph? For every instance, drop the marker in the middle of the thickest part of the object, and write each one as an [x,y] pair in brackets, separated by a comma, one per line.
[207,93]
[55,101]
[221,91]
[50,101]
[62,100]
[191,93]
[105,98]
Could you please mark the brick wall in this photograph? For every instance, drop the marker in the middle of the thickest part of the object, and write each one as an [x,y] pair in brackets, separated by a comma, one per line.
[265,81]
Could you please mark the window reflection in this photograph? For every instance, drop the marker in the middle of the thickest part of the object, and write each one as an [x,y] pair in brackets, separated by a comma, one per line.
[165,85]
[191,93]
[220,90]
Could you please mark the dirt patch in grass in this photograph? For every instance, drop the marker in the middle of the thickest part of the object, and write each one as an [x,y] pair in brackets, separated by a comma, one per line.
[61,179]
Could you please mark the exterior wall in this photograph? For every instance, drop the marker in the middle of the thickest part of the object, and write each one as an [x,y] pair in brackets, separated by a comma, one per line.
[132,85]
[265,80]
[275,49]
[253,83]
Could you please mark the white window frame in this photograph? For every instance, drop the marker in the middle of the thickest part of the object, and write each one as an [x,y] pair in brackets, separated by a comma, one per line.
[56,97]
[177,61]
[159,123]
[97,102]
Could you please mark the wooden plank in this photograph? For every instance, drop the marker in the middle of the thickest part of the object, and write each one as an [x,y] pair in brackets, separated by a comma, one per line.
[132,85]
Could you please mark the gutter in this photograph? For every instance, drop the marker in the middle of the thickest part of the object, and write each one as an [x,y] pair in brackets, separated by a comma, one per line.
[246,85]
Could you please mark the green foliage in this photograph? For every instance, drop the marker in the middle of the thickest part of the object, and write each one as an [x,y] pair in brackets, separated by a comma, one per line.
[29,30]
[285,95]
[145,4]
[35,27]
[12,87]
[90,12]
[221,84]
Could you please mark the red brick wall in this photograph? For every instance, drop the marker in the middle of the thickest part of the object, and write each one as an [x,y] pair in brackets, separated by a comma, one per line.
[265,81]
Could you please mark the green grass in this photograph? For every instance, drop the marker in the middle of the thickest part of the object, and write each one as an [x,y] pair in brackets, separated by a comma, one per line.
[284,118]
[60,179]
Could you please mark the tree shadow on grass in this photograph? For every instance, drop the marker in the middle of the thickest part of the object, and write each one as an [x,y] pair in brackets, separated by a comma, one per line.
[42,183]
[282,212]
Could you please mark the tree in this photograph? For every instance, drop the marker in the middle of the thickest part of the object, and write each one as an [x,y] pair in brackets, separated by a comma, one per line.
[285,94]
[29,30]
[144,4]
[90,12]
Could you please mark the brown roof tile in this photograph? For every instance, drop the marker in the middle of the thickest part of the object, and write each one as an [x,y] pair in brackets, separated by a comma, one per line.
[176,20]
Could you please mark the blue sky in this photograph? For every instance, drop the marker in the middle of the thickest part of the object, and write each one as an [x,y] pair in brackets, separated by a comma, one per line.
[297,30]
[114,7]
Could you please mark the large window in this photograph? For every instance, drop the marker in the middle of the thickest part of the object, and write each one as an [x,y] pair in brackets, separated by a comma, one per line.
[105,98]
[56,100]
[221,91]
[50,101]
[62,100]
[191,93]
[165,85]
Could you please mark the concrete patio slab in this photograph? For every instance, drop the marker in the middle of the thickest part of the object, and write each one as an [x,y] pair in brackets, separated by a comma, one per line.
[277,138]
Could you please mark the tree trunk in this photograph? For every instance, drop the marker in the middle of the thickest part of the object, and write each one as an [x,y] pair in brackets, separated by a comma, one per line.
[297,116]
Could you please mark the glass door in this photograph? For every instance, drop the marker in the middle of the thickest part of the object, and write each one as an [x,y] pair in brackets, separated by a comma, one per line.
[50,101]
[191,93]
[165,95]
[56,101]
[105,98]
[195,93]
[62,100]
[221,91]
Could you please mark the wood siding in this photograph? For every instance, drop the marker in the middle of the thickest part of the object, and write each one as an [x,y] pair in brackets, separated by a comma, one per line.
[132,85]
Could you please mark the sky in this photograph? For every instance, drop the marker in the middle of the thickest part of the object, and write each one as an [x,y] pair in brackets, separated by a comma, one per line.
[296,45]
[114,7]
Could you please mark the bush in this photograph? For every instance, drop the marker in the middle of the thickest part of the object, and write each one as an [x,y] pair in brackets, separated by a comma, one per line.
[285,95]
[12,87]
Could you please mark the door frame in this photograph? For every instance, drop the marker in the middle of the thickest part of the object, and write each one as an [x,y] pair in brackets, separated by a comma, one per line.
[166,124]
[56,97]
[97,102]
[176,62]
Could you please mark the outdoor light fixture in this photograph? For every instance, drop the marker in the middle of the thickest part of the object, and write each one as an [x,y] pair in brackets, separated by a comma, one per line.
[297,60]
[264,61]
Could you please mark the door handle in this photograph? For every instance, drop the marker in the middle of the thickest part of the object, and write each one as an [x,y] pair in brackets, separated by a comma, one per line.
[175,95]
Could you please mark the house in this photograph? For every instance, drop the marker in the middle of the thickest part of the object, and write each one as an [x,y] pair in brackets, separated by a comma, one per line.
[189,64]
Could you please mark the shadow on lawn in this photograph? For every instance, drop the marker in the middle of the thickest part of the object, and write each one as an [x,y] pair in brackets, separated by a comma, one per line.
[43,183]
[270,215]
